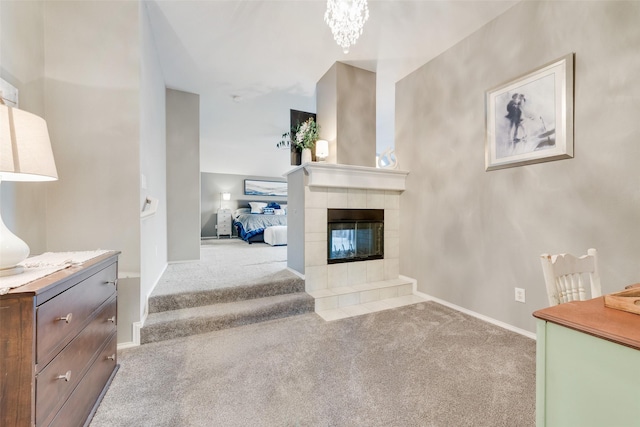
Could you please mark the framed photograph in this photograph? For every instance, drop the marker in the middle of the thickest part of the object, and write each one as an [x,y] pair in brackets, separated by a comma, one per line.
[530,119]
[265,188]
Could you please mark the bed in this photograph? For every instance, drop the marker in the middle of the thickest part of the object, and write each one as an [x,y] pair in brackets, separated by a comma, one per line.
[251,222]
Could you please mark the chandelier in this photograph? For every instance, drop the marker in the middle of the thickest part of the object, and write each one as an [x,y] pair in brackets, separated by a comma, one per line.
[346,19]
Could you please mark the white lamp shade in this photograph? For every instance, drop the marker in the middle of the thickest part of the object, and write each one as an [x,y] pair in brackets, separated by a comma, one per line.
[226,196]
[25,149]
[322,149]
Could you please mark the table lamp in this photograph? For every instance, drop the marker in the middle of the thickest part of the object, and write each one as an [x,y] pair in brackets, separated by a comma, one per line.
[224,196]
[25,155]
[322,150]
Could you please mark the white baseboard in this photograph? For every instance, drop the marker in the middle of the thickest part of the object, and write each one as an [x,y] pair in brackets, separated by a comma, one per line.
[499,323]
[296,273]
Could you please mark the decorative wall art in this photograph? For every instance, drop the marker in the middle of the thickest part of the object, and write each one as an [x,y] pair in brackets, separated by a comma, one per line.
[530,119]
[265,188]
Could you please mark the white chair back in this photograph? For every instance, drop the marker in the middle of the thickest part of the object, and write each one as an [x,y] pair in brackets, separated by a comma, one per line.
[564,276]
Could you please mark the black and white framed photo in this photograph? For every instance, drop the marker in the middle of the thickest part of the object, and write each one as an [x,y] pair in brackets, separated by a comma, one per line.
[530,119]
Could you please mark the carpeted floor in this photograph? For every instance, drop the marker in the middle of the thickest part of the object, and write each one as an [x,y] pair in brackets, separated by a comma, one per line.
[419,365]
[225,263]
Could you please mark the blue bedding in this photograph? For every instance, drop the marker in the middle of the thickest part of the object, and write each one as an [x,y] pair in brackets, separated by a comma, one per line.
[249,224]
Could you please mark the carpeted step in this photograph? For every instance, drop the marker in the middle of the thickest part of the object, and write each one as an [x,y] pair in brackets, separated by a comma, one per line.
[197,320]
[280,286]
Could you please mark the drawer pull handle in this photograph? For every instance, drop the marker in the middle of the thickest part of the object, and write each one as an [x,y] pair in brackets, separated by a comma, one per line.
[66,318]
[112,319]
[112,357]
[66,377]
[112,282]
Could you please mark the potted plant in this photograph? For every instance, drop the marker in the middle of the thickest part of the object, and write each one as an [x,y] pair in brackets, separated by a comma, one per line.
[303,139]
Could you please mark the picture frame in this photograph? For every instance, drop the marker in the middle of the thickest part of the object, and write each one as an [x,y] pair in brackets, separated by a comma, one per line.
[530,118]
[254,187]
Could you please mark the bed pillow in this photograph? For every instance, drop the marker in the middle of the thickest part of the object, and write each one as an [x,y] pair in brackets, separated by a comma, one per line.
[241,211]
[284,208]
[278,211]
[257,207]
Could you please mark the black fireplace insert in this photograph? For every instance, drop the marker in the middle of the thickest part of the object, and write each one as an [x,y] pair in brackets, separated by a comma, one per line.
[355,235]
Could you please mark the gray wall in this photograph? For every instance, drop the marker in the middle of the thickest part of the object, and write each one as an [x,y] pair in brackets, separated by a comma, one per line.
[92,68]
[295,220]
[212,184]
[153,166]
[183,175]
[346,112]
[470,236]
[22,65]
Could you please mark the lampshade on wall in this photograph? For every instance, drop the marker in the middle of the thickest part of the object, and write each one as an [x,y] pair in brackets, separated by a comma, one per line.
[322,149]
[25,155]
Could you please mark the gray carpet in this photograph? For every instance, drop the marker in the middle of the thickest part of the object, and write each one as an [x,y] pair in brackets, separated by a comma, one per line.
[419,365]
[225,263]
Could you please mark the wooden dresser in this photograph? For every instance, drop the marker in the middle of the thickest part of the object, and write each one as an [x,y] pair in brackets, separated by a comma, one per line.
[58,345]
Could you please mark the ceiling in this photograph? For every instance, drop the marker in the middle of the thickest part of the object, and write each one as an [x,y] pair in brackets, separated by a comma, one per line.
[253,61]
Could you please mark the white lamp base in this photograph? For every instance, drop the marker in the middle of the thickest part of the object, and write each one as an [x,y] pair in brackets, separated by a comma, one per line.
[11,271]
[13,250]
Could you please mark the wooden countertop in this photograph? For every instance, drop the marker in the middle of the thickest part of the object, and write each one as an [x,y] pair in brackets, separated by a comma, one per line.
[593,318]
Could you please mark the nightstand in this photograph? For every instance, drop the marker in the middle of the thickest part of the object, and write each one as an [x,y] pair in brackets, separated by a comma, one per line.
[224,222]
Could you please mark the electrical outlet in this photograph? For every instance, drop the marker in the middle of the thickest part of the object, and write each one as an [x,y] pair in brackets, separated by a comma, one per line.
[520,295]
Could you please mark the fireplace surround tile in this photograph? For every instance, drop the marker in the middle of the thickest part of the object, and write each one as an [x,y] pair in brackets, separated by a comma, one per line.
[315,197]
[357,272]
[348,299]
[391,246]
[375,199]
[337,198]
[391,219]
[315,253]
[391,268]
[338,275]
[315,220]
[369,296]
[391,200]
[375,270]
[315,277]
[357,199]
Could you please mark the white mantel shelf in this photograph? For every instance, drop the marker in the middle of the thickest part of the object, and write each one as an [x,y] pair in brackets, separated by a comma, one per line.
[347,176]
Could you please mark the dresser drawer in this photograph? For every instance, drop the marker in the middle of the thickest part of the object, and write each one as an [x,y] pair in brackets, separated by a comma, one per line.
[85,397]
[61,318]
[58,379]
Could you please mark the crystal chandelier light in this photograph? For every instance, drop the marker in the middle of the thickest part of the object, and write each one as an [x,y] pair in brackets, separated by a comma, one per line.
[346,19]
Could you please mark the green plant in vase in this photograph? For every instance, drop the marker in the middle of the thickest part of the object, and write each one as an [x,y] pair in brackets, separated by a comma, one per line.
[304,137]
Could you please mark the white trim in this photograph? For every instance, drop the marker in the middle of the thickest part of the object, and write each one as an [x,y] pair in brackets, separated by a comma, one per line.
[477,315]
[124,345]
[136,326]
[300,275]
[347,176]
[183,261]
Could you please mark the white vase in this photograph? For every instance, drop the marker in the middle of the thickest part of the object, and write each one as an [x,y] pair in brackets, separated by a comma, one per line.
[306,156]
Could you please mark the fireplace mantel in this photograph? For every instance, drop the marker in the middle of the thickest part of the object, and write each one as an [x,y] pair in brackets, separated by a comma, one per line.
[346,176]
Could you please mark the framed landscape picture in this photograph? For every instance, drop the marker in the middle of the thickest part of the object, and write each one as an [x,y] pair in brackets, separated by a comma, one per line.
[265,188]
[530,119]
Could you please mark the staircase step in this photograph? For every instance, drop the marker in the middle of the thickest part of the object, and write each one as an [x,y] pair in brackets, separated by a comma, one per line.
[339,297]
[183,322]
[167,302]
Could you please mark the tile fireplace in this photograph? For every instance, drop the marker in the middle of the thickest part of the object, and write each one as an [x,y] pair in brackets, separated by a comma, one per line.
[342,213]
